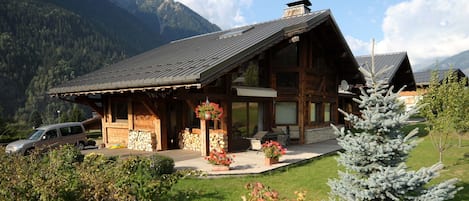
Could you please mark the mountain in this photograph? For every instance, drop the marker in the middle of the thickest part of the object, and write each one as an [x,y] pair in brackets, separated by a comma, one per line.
[46,42]
[175,20]
[116,22]
[460,60]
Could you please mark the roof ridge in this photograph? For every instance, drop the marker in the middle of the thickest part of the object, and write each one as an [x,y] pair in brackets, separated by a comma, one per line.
[252,25]
[384,54]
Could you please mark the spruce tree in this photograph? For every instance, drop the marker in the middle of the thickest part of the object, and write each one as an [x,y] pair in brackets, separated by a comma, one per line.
[376,149]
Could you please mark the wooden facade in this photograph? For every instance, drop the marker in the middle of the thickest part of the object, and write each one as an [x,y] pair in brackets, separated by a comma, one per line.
[278,76]
[305,75]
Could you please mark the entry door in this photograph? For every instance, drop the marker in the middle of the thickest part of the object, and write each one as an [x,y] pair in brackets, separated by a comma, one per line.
[174,124]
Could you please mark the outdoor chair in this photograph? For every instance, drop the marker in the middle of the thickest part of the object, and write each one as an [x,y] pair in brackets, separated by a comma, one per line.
[256,140]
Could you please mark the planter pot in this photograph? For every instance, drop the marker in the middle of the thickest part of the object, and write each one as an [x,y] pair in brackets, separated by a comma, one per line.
[270,161]
[207,116]
[220,167]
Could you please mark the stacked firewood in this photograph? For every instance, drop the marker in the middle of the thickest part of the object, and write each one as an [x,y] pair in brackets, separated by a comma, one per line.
[140,140]
[191,141]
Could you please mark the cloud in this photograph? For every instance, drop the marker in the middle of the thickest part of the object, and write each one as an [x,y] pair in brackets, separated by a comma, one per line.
[427,30]
[224,13]
[358,46]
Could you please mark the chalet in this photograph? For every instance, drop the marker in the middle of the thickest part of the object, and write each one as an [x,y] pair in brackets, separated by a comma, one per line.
[422,81]
[283,74]
[399,75]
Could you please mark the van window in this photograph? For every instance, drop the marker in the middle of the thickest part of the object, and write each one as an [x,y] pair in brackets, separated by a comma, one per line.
[72,130]
[51,134]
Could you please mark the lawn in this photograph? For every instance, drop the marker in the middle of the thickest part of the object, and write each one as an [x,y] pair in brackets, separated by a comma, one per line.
[312,176]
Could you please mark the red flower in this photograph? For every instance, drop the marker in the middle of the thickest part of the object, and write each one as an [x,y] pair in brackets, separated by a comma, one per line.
[213,110]
[273,149]
[219,158]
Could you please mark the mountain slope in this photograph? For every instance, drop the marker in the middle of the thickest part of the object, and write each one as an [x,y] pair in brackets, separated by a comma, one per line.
[175,20]
[42,45]
[460,60]
[127,29]
[46,42]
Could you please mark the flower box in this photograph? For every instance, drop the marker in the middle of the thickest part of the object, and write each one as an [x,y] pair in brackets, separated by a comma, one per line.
[271,161]
[220,167]
[273,150]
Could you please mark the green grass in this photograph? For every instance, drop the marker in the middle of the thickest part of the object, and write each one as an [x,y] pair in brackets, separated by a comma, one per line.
[312,176]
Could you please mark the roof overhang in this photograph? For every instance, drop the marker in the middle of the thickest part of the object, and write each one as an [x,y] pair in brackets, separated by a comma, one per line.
[127,90]
[255,92]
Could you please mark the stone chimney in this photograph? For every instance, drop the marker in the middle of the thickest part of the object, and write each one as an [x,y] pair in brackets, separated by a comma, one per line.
[297,8]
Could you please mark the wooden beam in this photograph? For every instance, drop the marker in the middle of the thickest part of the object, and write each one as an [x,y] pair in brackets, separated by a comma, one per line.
[87,101]
[147,102]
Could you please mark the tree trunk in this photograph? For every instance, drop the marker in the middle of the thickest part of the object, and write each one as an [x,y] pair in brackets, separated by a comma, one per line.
[441,156]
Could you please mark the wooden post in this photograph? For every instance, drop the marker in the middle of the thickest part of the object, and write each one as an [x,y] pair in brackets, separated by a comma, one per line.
[204,138]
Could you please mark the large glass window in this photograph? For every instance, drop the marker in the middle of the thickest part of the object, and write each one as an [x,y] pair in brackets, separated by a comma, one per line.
[245,118]
[327,112]
[286,113]
[119,111]
[247,75]
[312,112]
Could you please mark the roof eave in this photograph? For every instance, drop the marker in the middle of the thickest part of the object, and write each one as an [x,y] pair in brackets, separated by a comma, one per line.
[128,86]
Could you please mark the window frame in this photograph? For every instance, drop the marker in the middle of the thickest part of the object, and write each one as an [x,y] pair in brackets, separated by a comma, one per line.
[276,113]
[113,111]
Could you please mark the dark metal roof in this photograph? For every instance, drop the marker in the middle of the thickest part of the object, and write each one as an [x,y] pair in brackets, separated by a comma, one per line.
[384,60]
[190,62]
[424,78]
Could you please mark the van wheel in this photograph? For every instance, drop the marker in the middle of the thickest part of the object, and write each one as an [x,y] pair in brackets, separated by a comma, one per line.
[29,151]
[81,145]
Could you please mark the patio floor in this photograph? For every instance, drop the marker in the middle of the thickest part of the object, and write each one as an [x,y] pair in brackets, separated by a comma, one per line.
[245,163]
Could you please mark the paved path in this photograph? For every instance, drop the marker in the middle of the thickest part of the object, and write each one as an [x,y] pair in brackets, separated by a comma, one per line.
[246,163]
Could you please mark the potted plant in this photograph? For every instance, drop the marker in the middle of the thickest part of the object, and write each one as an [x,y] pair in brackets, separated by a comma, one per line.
[209,111]
[273,150]
[219,159]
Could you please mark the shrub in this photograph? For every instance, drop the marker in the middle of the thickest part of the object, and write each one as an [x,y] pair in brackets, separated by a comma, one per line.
[65,174]
[259,191]
[161,165]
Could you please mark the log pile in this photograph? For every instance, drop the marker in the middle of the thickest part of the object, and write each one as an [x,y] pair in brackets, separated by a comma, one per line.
[191,140]
[141,140]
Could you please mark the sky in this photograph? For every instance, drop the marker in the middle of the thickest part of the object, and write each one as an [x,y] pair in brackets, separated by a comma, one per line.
[428,30]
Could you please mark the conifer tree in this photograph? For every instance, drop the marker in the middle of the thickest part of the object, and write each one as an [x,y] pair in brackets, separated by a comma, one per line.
[376,149]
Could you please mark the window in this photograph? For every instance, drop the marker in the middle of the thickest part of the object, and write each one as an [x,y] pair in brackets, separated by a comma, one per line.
[65,131]
[247,75]
[286,57]
[51,134]
[236,32]
[312,112]
[286,113]
[72,130]
[245,118]
[327,112]
[287,80]
[119,111]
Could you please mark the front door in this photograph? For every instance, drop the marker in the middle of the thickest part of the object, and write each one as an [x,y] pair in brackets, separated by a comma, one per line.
[174,124]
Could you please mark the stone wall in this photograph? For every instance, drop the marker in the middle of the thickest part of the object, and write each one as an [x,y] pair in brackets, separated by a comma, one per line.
[141,140]
[319,135]
[191,140]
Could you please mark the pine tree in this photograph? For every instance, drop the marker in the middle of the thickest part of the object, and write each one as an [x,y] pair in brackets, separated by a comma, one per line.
[376,149]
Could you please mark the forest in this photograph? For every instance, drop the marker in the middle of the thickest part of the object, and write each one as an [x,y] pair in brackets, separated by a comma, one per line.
[46,42]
